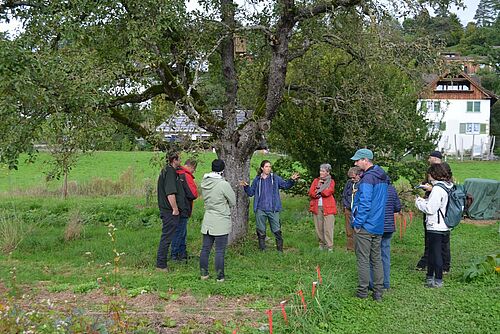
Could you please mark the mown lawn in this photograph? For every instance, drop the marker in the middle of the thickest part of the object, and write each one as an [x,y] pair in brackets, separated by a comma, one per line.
[267,277]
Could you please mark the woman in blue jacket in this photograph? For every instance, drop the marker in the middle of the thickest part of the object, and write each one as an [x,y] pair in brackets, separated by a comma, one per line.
[267,202]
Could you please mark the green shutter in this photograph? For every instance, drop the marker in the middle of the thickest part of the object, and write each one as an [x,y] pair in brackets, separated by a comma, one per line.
[482,128]
[424,106]
[437,106]
[477,106]
[469,106]
[462,128]
[442,126]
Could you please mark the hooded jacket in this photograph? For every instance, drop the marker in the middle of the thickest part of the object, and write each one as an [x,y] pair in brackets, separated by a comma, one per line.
[368,210]
[219,197]
[437,200]
[189,186]
[276,183]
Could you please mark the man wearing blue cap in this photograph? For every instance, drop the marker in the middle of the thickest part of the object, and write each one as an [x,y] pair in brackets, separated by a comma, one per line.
[368,223]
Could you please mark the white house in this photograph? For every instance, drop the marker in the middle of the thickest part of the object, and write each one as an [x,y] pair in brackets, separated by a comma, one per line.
[459,107]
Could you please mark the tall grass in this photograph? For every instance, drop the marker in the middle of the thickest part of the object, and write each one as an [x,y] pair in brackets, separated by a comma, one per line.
[12,232]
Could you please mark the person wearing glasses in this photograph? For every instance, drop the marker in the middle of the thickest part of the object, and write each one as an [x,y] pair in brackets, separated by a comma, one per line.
[323,206]
[368,213]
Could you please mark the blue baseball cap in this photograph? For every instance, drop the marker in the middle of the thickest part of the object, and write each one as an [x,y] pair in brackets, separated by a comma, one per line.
[362,153]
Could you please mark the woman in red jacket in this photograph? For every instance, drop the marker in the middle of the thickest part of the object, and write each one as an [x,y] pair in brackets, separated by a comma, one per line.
[323,206]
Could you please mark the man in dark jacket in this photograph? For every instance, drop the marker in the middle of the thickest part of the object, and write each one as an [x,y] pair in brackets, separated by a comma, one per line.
[368,223]
[172,202]
[185,174]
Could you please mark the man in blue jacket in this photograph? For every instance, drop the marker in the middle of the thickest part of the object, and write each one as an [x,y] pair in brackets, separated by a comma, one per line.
[267,202]
[368,223]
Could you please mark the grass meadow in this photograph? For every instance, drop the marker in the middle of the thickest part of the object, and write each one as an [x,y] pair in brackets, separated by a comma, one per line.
[93,257]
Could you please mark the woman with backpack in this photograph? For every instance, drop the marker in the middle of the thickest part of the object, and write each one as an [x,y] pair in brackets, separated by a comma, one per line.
[434,208]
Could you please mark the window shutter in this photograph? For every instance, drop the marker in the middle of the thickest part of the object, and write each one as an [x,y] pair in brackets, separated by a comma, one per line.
[424,106]
[482,129]
[442,126]
[437,106]
[477,106]
[462,128]
[469,106]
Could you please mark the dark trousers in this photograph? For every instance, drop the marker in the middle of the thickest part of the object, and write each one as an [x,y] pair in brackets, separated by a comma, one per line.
[179,241]
[168,229]
[368,255]
[422,263]
[220,249]
[435,259]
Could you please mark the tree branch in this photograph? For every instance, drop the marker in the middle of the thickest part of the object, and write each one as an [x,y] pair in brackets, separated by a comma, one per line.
[147,95]
[306,45]
[121,118]
[326,6]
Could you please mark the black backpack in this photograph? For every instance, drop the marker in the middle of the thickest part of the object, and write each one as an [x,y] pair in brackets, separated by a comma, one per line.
[457,201]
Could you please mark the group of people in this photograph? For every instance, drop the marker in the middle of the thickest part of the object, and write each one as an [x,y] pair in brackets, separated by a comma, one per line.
[369,201]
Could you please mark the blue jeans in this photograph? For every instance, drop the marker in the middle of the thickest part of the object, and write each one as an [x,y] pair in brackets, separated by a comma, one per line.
[179,241]
[220,249]
[385,251]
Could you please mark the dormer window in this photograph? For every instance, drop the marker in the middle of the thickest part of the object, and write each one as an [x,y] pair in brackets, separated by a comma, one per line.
[453,86]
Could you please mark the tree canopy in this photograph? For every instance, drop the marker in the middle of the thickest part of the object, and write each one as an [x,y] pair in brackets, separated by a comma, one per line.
[92,61]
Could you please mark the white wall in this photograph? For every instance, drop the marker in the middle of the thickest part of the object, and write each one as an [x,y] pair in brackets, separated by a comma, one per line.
[454,112]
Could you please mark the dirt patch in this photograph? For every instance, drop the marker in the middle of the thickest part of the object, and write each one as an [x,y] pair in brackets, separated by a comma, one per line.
[164,315]
[479,222]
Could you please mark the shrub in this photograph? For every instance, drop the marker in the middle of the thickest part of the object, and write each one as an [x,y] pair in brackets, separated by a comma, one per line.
[486,266]
[74,227]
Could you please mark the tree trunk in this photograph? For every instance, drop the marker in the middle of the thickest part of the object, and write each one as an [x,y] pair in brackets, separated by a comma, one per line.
[237,169]
[65,184]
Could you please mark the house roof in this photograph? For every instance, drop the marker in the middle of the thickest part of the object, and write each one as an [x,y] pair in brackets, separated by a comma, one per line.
[433,79]
[182,124]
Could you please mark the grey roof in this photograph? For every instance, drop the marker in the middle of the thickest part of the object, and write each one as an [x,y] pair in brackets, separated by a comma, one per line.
[181,124]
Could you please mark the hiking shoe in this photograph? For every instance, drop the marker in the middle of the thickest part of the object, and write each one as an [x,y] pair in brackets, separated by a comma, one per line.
[361,296]
[204,277]
[220,280]
[377,297]
[417,268]
[438,283]
[165,270]
[429,282]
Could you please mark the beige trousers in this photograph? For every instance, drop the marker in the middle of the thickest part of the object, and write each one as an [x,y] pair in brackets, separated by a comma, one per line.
[324,228]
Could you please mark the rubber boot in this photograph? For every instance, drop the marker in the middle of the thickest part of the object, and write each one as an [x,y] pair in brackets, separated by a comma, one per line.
[279,241]
[262,240]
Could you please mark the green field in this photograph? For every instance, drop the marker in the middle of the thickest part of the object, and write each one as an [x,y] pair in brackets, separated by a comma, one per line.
[45,264]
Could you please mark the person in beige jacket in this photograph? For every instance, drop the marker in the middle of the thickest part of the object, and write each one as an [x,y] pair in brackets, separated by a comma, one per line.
[219,197]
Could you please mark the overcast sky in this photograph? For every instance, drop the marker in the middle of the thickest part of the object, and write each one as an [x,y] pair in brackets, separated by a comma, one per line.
[466,15]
